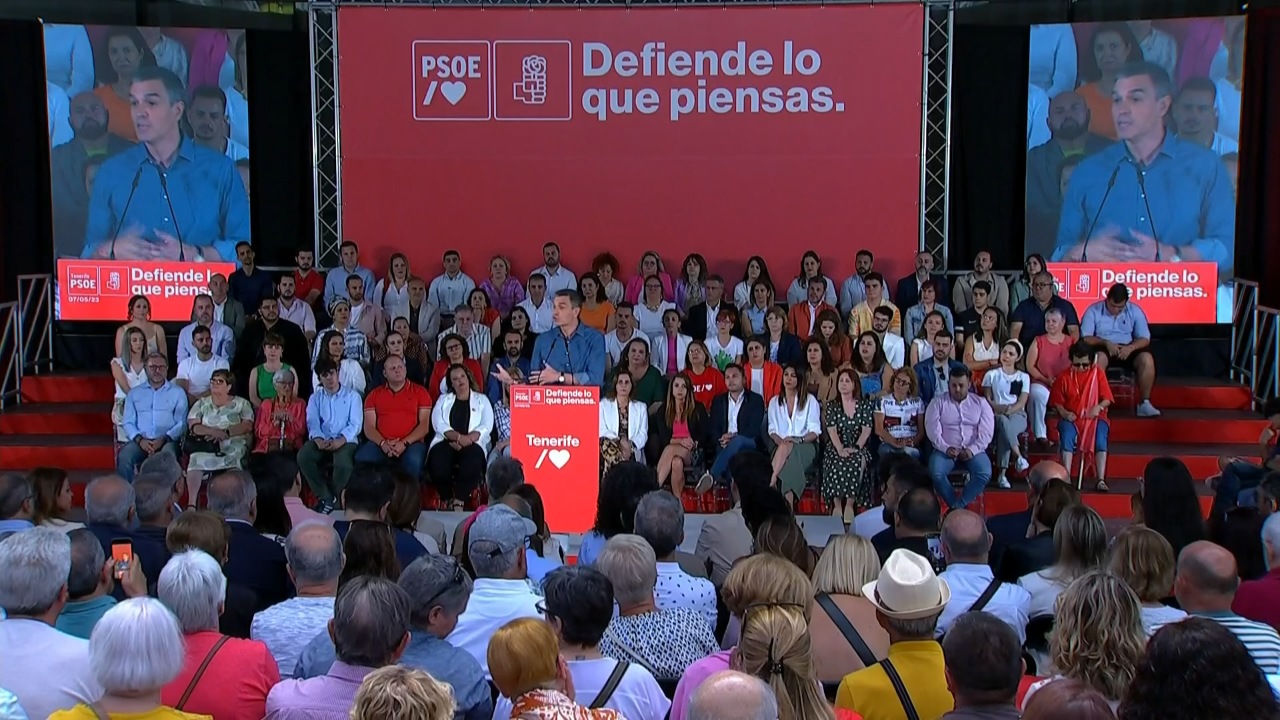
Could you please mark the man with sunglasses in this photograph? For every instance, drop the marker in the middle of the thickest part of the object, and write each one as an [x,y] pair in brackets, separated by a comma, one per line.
[1081,397]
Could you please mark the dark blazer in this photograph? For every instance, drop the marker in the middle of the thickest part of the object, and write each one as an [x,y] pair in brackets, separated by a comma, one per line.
[1026,556]
[660,432]
[751,419]
[1007,529]
[152,554]
[237,612]
[908,291]
[928,381]
[249,355]
[789,351]
[695,323]
[232,317]
[257,563]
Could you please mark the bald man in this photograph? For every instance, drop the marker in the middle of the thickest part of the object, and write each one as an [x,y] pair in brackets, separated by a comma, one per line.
[1206,586]
[89,118]
[1013,527]
[965,545]
[731,695]
[110,511]
[314,553]
[1068,122]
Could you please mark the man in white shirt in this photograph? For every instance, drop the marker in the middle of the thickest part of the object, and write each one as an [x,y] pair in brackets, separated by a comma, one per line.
[496,547]
[479,339]
[223,338]
[296,311]
[965,545]
[895,349]
[853,290]
[195,370]
[168,52]
[314,553]
[453,287]
[660,521]
[538,305]
[335,283]
[46,669]
[625,331]
[556,276]
[208,118]
[423,317]
[1196,115]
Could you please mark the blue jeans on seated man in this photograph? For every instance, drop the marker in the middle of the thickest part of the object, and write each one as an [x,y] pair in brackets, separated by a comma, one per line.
[411,460]
[1238,485]
[132,455]
[978,467]
[720,468]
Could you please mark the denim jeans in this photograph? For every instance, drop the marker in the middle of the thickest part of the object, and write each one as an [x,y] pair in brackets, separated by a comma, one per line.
[979,468]
[1067,435]
[1237,479]
[736,445]
[410,461]
[132,455]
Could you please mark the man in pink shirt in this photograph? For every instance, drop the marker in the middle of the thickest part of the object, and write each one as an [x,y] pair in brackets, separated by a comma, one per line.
[960,425]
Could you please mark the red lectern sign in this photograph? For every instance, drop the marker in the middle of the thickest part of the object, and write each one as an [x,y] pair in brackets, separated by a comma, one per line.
[555,433]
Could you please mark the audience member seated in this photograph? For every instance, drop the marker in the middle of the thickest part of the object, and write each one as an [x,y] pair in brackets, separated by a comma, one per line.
[335,284]
[1035,550]
[1240,476]
[911,513]
[782,347]
[597,310]
[1007,390]
[136,651]
[736,423]
[895,353]
[530,670]
[650,264]
[370,629]
[405,512]
[700,321]
[355,344]
[478,338]
[202,315]
[861,317]
[449,289]
[1020,284]
[1079,396]
[984,667]
[270,340]
[1048,358]
[726,537]
[367,497]
[128,369]
[624,423]
[659,519]
[922,340]
[846,635]
[226,310]
[415,363]
[1144,560]
[392,292]
[502,476]
[854,288]
[908,598]
[648,383]
[821,381]
[651,309]
[110,514]
[90,584]
[221,676]
[998,296]
[205,531]
[537,306]
[463,424]
[776,647]
[504,290]
[1026,322]
[680,432]
[690,284]
[422,317]
[485,315]
[1198,664]
[670,348]
[1206,586]
[156,499]
[960,426]
[899,416]
[848,421]
[1118,329]
[1170,504]
[512,361]
[195,371]
[733,695]
[154,419]
[219,430]
[140,318]
[780,534]
[664,640]
[755,311]
[1011,528]
[831,333]
[917,316]
[974,588]
[351,373]
[315,559]
[908,290]
[933,375]
[295,309]
[454,352]
[253,560]
[397,418]
[334,421]
[875,520]
[968,322]
[623,333]
[761,375]
[397,691]
[802,319]
[620,494]
[282,420]
[366,318]
[794,428]
[1079,547]
[17,504]
[536,566]
[262,377]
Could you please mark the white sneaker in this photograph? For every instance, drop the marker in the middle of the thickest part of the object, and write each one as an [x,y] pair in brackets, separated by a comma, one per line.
[1147,410]
[1022,464]
[1002,482]
[704,483]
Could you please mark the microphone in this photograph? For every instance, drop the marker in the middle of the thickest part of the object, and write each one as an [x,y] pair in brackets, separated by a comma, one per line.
[164,186]
[127,202]
[1084,252]
[1142,187]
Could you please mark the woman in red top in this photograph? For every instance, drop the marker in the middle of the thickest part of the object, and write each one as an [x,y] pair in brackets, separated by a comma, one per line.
[838,343]
[485,315]
[708,381]
[455,353]
[760,375]
[282,420]
[1046,360]
[679,433]
[1081,397]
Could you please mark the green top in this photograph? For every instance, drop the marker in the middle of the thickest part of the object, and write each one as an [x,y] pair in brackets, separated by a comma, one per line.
[650,389]
[266,381]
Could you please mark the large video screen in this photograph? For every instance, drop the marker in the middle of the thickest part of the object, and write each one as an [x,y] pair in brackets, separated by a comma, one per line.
[149,160]
[1132,157]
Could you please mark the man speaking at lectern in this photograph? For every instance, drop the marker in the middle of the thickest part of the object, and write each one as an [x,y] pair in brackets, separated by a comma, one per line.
[570,353]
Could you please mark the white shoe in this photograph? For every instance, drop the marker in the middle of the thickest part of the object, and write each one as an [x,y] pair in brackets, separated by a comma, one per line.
[1147,410]
[1022,464]
[704,483]
[1002,482]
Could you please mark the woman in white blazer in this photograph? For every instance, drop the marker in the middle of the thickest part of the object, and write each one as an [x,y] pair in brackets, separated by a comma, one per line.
[624,423]
[794,427]
[659,346]
[463,423]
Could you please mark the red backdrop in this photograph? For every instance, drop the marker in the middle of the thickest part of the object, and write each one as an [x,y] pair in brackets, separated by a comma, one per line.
[806,137]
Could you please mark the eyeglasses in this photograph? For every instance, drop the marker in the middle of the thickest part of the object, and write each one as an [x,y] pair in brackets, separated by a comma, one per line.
[1042,285]
[1082,365]
[458,576]
[541,607]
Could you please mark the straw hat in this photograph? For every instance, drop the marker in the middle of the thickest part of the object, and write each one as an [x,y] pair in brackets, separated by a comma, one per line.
[907,588]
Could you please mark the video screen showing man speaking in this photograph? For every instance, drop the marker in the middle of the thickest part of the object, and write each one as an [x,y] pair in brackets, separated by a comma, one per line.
[149,137]
[1132,144]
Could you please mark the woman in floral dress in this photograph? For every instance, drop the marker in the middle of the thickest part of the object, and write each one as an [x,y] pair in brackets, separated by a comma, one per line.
[224,418]
[848,421]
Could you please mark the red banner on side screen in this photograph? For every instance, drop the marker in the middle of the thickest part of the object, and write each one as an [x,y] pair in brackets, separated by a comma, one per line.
[729,132]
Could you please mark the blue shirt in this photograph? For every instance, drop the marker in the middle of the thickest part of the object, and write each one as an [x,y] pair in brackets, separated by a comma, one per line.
[494,385]
[592,543]
[155,412]
[250,289]
[79,616]
[15,525]
[538,567]
[450,665]
[335,283]
[1192,203]
[332,414]
[581,356]
[1122,329]
[224,341]
[210,205]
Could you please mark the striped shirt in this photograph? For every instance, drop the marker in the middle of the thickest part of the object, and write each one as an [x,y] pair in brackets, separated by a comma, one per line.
[1262,641]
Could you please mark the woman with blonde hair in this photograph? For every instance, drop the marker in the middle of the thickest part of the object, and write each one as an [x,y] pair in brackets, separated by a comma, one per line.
[1143,558]
[526,666]
[650,265]
[776,648]
[1079,546]
[1097,636]
[391,293]
[504,291]
[847,564]
[397,692]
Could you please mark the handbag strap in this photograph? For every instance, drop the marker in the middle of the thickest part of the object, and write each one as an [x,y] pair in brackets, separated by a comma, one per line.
[847,629]
[986,596]
[901,689]
[628,650]
[610,685]
[195,679]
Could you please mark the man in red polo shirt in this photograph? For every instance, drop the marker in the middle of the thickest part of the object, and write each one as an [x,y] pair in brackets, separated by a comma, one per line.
[397,417]
[308,282]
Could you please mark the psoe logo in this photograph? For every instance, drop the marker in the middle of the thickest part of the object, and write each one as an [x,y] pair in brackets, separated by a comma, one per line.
[82,280]
[520,396]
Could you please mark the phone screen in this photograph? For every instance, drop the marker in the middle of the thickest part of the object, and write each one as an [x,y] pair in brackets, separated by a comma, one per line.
[121,555]
[935,550]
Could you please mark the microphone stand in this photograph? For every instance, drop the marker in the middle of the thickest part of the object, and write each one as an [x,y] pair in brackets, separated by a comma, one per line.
[164,185]
[1142,186]
[1084,252]
[127,202]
